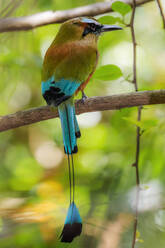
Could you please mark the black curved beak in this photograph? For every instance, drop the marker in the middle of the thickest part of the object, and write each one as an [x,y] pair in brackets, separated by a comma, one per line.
[106,28]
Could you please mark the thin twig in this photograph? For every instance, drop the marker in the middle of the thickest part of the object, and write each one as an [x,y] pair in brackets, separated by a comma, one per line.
[13,7]
[93,104]
[134,45]
[161,12]
[50,17]
[138,130]
[2,12]
[138,134]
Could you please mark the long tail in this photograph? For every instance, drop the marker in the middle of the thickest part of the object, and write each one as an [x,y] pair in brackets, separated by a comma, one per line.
[69,126]
[71,131]
[73,222]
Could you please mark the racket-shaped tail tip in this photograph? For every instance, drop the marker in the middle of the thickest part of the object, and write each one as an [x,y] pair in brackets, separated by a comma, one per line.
[69,232]
[73,225]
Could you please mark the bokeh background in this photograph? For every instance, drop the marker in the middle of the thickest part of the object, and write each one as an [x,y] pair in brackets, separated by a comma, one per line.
[34,188]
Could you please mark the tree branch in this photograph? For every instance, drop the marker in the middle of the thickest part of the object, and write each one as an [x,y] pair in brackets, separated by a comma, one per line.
[50,17]
[34,115]
[161,12]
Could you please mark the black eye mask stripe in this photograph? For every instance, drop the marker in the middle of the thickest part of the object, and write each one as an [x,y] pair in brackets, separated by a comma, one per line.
[87,30]
[92,28]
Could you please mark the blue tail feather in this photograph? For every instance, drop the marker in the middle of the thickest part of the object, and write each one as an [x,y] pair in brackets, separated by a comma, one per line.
[66,113]
[73,215]
[73,224]
[77,129]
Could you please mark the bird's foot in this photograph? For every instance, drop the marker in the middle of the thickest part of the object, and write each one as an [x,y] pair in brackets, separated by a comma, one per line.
[84,97]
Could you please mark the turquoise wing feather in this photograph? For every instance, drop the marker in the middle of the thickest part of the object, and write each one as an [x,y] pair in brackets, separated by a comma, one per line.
[59,94]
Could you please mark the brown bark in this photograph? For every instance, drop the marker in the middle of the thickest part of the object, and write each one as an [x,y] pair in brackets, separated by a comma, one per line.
[91,104]
[50,17]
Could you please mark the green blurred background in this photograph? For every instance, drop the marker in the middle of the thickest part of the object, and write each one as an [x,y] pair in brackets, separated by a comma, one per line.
[34,188]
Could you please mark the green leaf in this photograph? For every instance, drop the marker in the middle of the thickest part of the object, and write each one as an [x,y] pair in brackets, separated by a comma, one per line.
[147,124]
[121,7]
[140,240]
[138,237]
[145,187]
[108,72]
[109,20]
[131,120]
[137,234]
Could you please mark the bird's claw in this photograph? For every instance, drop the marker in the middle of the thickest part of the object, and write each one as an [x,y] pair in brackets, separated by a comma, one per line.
[84,97]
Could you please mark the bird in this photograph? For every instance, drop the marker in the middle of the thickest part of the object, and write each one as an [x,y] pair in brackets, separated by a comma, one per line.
[68,65]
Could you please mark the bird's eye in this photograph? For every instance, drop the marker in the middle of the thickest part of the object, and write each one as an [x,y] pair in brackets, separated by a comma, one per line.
[92,26]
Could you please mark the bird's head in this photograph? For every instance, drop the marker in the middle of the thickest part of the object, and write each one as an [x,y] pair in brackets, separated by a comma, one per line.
[82,28]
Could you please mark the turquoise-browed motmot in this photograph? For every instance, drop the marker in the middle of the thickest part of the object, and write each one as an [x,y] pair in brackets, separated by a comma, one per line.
[68,66]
